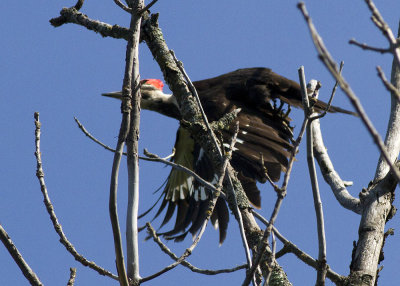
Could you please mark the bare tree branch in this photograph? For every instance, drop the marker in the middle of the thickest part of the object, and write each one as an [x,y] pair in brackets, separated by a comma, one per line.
[378,20]
[29,274]
[377,199]
[148,6]
[72,276]
[332,67]
[79,4]
[330,99]
[166,250]
[153,158]
[50,209]
[392,139]
[369,48]
[113,208]
[322,267]
[331,177]
[131,89]
[389,86]
[123,6]
[153,37]
[290,247]
[72,15]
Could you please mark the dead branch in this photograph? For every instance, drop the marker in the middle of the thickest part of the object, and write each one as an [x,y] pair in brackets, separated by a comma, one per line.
[185,263]
[72,276]
[29,274]
[50,209]
[332,67]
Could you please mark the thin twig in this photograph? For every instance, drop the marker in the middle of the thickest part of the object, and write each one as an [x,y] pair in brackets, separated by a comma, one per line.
[303,256]
[385,29]
[79,4]
[332,67]
[71,15]
[389,86]
[380,23]
[153,158]
[29,274]
[50,209]
[123,6]
[275,186]
[264,241]
[87,133]
[185,263]
[295,148]
[369,48]
[187,253]
[148,6]
[392,141]
[72,276]
[331,98]
[321,272]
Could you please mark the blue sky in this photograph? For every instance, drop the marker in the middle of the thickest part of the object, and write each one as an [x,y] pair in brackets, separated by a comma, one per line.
[62,72]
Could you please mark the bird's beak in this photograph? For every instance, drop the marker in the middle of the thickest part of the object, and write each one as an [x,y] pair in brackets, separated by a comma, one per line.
[114,94]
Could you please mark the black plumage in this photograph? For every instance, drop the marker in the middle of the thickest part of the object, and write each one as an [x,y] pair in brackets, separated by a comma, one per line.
[264,98]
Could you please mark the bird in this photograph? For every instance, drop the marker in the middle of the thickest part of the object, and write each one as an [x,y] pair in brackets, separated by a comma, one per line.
[262,149]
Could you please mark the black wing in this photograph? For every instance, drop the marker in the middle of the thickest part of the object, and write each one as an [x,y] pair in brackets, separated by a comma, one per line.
[265,136]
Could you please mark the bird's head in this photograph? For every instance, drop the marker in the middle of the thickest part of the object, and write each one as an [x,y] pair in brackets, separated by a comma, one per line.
[148,87]
[153,98]
[152,83]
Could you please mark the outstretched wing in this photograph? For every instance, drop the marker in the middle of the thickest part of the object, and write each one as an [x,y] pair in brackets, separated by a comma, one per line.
[262,149]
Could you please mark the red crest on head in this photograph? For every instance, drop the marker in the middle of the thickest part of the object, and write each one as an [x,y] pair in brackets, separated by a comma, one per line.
[155,82]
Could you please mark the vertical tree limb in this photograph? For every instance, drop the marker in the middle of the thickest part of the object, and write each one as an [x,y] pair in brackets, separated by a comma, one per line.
[128,132]
[322,267]
[113,210]
[377,200]
[131,81]
[392,139]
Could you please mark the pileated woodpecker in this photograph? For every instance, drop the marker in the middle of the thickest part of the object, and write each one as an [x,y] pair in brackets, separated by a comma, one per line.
[264,131]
